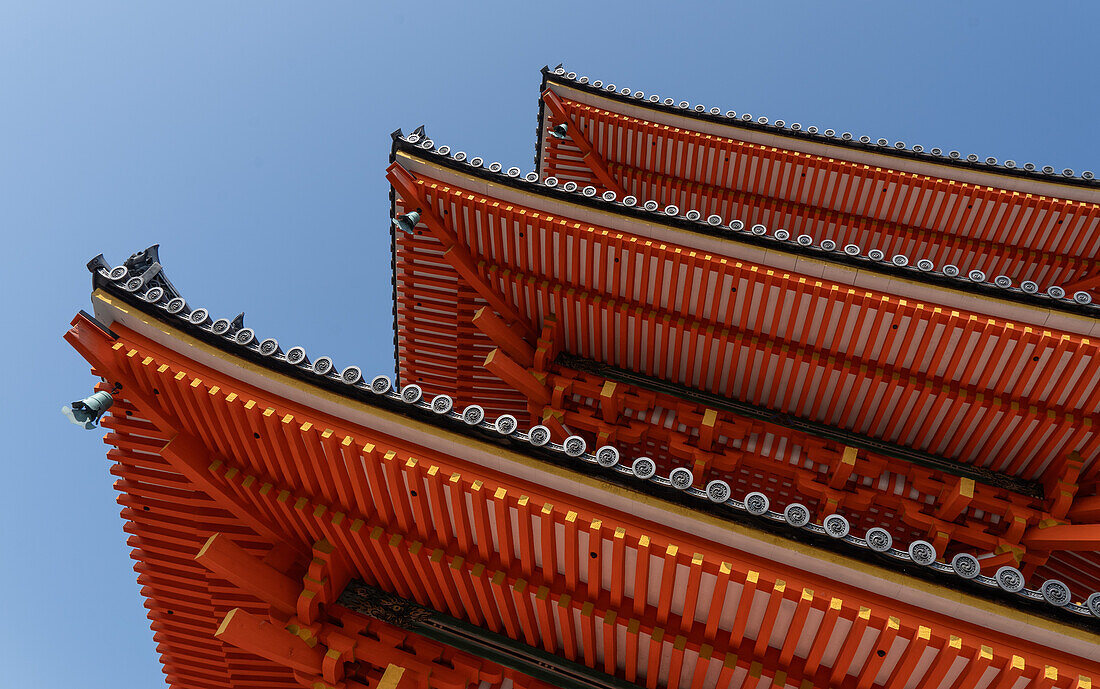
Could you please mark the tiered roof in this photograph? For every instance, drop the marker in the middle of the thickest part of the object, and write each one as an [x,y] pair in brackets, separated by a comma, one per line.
[697,400]
[941,373]
[216,431]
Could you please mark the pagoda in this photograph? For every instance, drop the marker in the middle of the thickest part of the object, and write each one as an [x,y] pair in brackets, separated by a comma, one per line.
[705,400]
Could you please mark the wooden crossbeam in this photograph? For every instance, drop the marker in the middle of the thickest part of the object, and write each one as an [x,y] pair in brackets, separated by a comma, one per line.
[406,185]
[508,370]
[1087,282]
[504,337]
[267,640]
[228,560]
[1085,510]
[1071,537]
[576,134]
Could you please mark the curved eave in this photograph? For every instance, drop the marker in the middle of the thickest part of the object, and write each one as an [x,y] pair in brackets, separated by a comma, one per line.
[808,551]
[905,160]
[907,282]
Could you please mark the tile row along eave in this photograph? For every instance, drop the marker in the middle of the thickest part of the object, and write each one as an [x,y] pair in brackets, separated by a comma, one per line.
[176,389]
[155,299]
[776,239]
[797,131]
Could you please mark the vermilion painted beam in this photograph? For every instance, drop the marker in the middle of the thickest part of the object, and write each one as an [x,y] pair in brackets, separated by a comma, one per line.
[942,663]
[877,657]
[1010,674]
[851,644]
[517,376]
[1085,510]
[576,135]
[912,655]
[231,562]
[1087,283]
[794,628]
[504,337]
[1072,537]
[406,185]
[267,640]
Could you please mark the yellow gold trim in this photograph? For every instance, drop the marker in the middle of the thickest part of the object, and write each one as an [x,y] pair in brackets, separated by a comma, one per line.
[391,677]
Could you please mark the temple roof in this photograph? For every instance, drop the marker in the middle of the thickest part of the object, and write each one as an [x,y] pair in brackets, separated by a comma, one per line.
[984,226]
[485,218]
[774,240]
[811,133]
[141,285]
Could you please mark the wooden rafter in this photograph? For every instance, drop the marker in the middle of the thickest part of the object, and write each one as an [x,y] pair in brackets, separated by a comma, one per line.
[576,134]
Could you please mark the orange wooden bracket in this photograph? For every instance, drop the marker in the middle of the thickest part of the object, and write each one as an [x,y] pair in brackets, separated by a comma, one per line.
[935,526]
[857,498]
[610,406]
[329,566]
[406,185]
[503,336]
[552,419]
[267,640]
[955,498]
[707,433]
[1072,537]
[233,563]
[1060,481]
[501,365]
[551,341]
[591,157]
[843,469]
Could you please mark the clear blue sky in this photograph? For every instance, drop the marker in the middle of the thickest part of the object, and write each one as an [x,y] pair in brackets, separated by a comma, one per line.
[250,141]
